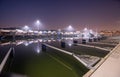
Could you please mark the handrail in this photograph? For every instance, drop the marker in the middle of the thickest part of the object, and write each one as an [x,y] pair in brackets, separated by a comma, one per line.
[69,53]
[5,59]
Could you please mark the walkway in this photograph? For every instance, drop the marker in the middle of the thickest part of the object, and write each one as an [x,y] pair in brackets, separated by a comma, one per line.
[109,66]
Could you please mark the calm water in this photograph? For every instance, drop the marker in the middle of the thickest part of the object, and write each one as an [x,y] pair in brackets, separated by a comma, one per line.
[29,60]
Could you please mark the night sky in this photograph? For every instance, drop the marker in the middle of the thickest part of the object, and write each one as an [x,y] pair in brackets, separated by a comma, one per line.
[55,14]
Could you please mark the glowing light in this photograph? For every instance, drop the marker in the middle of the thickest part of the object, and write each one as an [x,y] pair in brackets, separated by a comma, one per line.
[19,30]
[49,31]
[49,40]
[59,30]
[40,40]
[86,33]
[31,31]
[91,31]
[18,43]
[44,31]
[35,31]
[26,27]
[96,34]
[40,32]
[44,40]
[38,50]
[70,45]
[85,29]
[26,43]
[59,40]
[70,28]
[38,22]
[30,42]
[70,42]
[53,40]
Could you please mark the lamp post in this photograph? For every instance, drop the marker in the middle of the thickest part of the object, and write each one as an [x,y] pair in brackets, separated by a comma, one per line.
[26,28]
[38,24]
[70,28]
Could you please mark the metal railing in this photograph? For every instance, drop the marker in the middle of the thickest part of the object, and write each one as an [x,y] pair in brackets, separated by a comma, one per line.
[5,59]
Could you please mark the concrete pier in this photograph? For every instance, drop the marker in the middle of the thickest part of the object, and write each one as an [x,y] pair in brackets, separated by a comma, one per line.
[108,66]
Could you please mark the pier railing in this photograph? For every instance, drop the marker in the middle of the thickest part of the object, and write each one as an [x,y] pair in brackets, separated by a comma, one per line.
[69,53]
[5,59]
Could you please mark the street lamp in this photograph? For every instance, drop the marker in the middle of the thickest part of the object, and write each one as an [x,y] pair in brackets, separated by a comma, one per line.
[70,28]
[86,33]
[38,23]
[26,28]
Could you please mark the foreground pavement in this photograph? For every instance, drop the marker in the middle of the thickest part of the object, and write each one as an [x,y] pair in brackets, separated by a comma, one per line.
[109,66]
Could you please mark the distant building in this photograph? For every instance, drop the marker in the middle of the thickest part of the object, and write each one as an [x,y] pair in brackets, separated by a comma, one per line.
[110,33]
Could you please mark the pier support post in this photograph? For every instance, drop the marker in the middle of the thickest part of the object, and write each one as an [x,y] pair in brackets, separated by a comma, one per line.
[43,47]
[84,41]
[62,44]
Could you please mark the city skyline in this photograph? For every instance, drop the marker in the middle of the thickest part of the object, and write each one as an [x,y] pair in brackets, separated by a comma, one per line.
[55,14]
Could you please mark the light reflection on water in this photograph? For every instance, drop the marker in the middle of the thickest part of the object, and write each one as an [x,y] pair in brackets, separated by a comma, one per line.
[29,53]
[37,43]
[27,42]
[25,55]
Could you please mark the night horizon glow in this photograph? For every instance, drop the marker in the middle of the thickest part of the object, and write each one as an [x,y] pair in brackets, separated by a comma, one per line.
[58,14]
